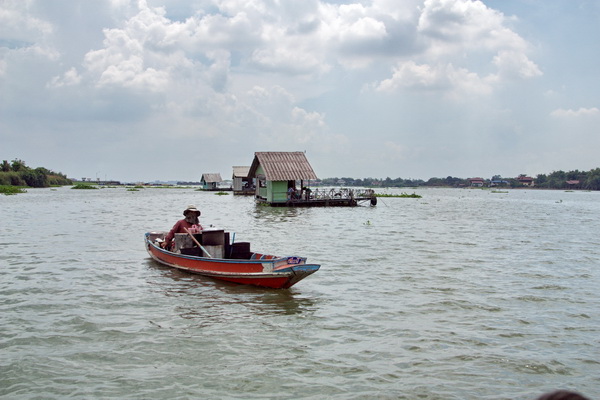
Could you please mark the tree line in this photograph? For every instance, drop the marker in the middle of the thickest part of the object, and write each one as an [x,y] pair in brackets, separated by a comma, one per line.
[17,173]
[586,180]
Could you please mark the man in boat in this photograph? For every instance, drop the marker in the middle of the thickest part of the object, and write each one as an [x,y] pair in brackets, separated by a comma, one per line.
[190,222]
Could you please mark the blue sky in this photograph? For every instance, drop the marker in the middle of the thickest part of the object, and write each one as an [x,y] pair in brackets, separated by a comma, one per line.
[170,89]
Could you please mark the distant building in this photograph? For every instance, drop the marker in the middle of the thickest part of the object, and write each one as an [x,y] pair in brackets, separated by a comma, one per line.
[476,182]
[525,180]
[242,184]
[498,181]
[210,181]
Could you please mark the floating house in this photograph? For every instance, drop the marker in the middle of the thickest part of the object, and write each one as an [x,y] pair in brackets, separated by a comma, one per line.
[283,179]
[210,181]
[242,184]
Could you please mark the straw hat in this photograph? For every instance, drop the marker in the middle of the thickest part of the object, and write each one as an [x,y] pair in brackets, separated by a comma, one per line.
[191,208]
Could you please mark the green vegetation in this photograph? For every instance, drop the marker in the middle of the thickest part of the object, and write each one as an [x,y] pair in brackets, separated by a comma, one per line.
[587,180]
[8,190]
[168,187]
[404,195]
[84,186]
[222,193]
[17,173]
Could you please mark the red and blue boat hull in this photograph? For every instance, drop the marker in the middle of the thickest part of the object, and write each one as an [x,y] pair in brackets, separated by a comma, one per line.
[261,270]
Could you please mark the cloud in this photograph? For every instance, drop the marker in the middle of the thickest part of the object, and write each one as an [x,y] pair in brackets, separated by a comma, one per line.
[338,78]
[469,50]
[273,113]
[512,64]
[19,27]
[149,51]
[437,78]
[580,113]
[70,78]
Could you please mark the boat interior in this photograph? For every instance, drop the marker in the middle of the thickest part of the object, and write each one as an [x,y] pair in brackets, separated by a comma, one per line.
[214,243]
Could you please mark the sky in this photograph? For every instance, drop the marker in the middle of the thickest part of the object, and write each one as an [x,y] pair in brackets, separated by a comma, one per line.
[151,90]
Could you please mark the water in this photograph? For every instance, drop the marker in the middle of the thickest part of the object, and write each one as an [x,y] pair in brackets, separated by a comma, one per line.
[462,294]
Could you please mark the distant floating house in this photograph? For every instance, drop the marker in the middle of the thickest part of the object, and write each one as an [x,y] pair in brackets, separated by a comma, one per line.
[242,184]
[210,181]
[283,179]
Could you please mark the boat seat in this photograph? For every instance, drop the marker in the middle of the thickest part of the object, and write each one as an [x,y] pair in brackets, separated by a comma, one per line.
[182,241]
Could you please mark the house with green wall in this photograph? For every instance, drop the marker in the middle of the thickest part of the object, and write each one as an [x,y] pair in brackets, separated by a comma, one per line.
[278,174]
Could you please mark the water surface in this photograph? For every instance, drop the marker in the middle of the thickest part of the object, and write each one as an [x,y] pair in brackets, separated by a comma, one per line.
[461,294]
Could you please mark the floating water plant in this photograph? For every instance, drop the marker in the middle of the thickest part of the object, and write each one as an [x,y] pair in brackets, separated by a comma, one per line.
[84,186]
[404,195]
[222,193]
[9,190]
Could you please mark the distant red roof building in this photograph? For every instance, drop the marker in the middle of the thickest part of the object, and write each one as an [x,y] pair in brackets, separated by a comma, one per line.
[525,180]
[476,182]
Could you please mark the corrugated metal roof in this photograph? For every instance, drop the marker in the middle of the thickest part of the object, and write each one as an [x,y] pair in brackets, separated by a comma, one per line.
[282,165]
[240,172]
[210,178]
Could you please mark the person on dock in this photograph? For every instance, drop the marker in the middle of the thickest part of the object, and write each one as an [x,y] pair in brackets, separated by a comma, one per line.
[190,222]
[291,193]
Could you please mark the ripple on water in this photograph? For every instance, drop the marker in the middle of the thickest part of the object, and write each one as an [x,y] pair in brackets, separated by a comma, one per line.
[462,295]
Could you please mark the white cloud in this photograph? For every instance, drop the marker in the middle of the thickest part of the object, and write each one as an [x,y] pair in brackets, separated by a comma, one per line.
[18,26]
[70,78]
[581,112]
[259,73]
[513,64]
[279,121]
[133,56]
[437,78]
[469,51]
[315,39]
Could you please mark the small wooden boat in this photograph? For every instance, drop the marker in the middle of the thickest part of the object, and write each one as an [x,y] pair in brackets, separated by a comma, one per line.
[209,253]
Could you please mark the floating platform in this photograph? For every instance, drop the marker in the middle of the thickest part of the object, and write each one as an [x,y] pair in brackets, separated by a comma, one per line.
[326,198]
[244,192]
[215,189]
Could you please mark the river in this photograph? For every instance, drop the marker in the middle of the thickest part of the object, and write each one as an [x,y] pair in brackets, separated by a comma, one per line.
[461,294]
